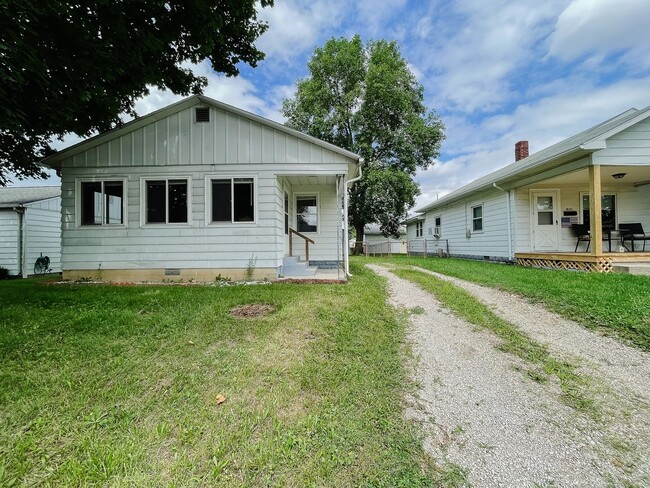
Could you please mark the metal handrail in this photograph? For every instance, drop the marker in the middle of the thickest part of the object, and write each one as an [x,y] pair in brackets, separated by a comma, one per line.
[307,241]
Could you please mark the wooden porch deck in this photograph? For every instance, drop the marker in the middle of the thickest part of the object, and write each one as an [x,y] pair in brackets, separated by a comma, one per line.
[583,261]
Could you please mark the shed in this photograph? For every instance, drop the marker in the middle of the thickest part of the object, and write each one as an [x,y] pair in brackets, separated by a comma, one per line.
[30,226]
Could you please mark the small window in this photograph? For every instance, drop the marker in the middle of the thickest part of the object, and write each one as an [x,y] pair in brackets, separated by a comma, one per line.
[307,213]
[477,218]
[202,114]
[437,231]
[102,203]
[233,200]
[419,229]
[166,202]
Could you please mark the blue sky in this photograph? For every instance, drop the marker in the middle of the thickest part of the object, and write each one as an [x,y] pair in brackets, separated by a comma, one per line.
[496,71]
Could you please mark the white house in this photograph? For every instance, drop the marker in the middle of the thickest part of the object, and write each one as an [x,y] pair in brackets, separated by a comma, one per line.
[30,226]
[526,211]
[200,189]
[377,242]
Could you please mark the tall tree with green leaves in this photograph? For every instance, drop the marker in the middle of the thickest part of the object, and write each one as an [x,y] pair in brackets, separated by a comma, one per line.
[365,98]
[75,66]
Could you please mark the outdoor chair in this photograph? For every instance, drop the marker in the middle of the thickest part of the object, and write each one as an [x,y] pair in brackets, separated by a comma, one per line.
[582,232]
[633,232]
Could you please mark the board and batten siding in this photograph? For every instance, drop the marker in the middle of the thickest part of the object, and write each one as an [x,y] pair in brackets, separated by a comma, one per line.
[9,241]
[229,145]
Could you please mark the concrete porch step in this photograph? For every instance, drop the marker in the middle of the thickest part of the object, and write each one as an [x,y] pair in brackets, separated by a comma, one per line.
[292,266]
[632,268]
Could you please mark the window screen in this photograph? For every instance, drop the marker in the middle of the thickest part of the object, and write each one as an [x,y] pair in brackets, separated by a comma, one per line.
[307,214]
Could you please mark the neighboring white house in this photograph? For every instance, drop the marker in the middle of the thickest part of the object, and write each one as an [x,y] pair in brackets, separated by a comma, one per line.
[200,189]
[525,210]
[376,242]
[30,225]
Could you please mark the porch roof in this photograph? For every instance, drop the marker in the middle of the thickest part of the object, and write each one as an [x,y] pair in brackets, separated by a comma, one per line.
[566,151]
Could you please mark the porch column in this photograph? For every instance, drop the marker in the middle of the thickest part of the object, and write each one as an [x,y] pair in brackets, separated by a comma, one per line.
[595,211]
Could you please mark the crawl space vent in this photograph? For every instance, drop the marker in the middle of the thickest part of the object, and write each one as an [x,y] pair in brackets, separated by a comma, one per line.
[202,114]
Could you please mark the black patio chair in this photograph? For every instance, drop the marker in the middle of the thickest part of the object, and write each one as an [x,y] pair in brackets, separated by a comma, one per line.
[633,232]
[582,232]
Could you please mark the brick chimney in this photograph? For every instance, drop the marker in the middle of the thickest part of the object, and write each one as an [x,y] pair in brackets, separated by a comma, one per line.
[521,150]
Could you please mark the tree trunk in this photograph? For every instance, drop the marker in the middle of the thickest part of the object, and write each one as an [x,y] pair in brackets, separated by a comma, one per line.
[358,245]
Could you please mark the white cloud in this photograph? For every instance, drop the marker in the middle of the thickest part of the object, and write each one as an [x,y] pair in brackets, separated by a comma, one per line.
[598,28]
[295,26]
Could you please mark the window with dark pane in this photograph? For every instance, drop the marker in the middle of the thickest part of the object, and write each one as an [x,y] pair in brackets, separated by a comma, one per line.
[243,205]
[156,196]
[608,211]
[91,203]
[221,201]
[113,202]
[477,218]
[177,197]
[286,213]
[307,214]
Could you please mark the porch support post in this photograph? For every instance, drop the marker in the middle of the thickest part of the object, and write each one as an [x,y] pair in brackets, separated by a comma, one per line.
[595,211]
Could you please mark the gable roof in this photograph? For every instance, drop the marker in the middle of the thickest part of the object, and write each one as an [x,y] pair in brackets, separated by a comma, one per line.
[17,196]
[568,150]
[56,158]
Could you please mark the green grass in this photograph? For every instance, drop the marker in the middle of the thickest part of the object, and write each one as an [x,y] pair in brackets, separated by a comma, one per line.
[616,304]
[118,386]
[575,391]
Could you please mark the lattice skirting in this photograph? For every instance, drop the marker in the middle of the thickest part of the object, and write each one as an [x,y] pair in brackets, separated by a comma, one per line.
[601,265]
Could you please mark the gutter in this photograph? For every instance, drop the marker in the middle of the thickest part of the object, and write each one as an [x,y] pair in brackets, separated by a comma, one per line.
[21,240]
[507,192]
[346,224]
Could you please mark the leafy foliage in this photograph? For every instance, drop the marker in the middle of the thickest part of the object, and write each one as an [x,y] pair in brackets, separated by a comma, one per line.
[365,99]
[76,66]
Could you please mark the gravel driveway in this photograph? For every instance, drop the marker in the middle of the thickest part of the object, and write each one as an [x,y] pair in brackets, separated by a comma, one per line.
[482,412]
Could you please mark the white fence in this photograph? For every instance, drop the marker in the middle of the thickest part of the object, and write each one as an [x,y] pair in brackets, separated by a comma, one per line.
[415,247]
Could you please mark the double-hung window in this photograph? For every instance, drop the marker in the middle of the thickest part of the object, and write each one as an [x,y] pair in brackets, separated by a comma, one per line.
[477,218]
[419,229]
[102,203]
[307,213]
[166,201]
[233,200]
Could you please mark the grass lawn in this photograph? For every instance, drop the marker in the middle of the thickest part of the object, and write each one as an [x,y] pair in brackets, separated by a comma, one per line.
[105,385]
[614,303]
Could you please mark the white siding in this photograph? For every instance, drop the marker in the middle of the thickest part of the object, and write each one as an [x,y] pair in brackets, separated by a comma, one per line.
[629,147]
[227,139]
[631,206]
[43,233]
[456,220]
[9,240]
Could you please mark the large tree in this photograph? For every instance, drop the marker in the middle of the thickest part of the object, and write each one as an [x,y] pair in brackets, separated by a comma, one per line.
[76,65]
[366,99]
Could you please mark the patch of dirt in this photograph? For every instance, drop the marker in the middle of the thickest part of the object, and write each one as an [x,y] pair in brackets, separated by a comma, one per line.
[252,310]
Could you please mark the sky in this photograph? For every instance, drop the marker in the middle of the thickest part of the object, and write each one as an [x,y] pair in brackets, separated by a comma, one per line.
[495,71]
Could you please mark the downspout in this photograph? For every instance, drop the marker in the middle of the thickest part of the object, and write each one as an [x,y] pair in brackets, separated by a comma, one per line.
[507,192]
[21,240]
[346,224]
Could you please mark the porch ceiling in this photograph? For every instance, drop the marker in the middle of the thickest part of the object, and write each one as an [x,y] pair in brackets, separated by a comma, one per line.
[634,175]
[304,180]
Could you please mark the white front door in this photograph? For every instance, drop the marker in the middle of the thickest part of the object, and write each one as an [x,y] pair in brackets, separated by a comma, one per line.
[545,220]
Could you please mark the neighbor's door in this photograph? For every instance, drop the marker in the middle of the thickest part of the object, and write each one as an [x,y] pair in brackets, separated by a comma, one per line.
[545,225]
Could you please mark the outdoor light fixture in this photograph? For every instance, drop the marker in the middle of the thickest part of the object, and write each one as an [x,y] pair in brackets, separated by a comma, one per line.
[618,176]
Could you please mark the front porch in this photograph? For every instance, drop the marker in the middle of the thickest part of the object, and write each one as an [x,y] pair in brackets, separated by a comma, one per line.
[582,261]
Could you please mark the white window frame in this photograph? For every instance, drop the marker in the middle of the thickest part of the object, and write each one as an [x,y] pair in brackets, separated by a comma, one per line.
[208,199]
[482,218]
[437,229]
[143,201]
[100,179]
[419,229]
[318,213]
